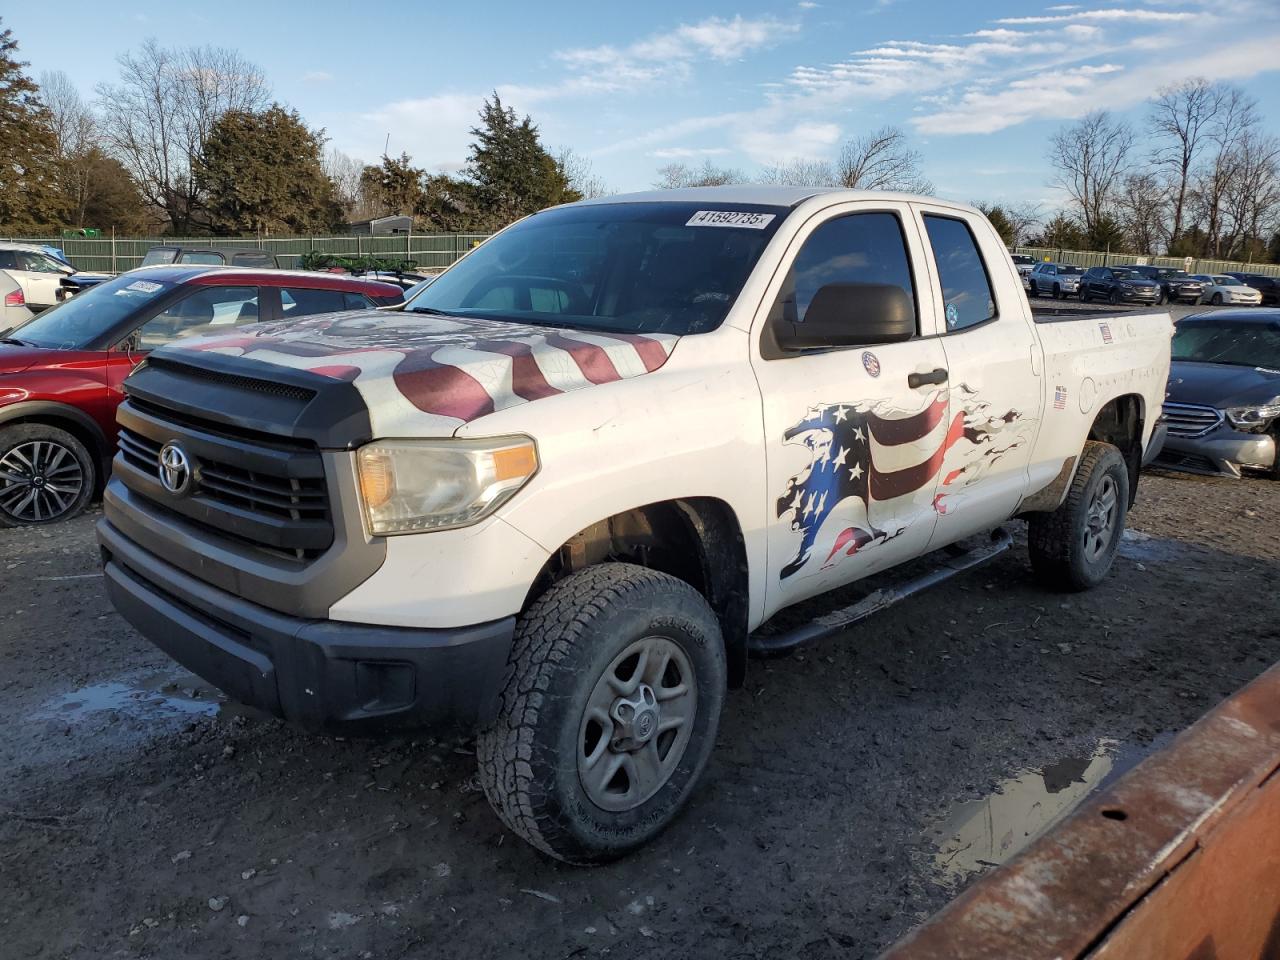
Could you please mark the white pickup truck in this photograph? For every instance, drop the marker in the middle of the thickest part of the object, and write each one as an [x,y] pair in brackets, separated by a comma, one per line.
[555,498]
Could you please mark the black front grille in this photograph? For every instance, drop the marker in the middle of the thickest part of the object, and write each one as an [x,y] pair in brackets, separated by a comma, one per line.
[269,497]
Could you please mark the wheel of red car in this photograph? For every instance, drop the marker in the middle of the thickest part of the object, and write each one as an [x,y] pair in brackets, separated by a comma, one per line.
[46,475]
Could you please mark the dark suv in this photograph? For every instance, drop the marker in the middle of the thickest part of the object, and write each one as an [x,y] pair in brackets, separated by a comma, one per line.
[1118,285]
[1175,285]
[1269,287]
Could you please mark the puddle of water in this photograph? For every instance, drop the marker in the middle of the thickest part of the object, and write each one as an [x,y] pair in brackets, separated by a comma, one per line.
[983,833]
[1137,545]
[161,695]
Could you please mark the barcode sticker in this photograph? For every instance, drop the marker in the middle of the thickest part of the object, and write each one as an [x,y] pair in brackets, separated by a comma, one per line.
[730,218]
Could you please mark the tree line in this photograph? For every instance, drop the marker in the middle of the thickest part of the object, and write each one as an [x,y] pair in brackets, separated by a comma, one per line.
[191,142]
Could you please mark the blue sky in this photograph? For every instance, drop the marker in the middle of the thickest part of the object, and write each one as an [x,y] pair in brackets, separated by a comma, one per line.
[978,86]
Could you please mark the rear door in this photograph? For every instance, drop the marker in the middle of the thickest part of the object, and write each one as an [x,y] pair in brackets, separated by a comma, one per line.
[994,369]
[852,435]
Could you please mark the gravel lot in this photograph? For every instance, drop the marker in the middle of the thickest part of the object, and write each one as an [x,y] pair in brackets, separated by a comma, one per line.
[857,785]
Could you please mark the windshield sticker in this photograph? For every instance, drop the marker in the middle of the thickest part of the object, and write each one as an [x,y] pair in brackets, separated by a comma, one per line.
[142,286]
[730,218]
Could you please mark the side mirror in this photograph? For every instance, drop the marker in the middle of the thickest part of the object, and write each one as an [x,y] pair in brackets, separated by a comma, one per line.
[849,315]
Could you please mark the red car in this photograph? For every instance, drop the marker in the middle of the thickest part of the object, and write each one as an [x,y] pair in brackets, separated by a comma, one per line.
[61,371]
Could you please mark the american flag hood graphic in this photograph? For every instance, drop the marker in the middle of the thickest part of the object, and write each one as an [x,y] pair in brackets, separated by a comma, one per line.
[426,375]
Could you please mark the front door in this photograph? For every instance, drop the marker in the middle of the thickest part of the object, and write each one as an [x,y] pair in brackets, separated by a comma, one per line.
[853,437]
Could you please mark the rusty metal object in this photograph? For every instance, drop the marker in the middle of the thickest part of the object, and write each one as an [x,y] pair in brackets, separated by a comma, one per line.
[1178,860]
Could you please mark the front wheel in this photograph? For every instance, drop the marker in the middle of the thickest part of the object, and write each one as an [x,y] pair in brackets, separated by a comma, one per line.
[1216,299]
[608,714]
[1057,291]
[1084,295]
[1073,547]
[1113,297]
[46,475]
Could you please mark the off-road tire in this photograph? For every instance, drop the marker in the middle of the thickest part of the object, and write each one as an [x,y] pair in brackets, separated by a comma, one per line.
[1057,539]
[563,644]
[20,434]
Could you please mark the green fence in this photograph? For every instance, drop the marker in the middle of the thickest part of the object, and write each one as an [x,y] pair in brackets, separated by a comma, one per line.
[1096,258]
[117,254]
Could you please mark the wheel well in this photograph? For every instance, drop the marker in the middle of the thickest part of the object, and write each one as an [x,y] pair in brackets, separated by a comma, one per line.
[92,438]
[697,540]
[1120,423]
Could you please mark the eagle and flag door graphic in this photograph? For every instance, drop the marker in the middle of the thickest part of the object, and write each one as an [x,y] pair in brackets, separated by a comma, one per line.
[854,437]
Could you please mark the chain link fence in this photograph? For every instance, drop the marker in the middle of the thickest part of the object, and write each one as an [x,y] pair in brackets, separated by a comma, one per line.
[117,254]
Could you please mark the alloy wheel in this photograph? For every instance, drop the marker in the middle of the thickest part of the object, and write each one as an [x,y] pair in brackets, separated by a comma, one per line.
[1100,519]
[39,480]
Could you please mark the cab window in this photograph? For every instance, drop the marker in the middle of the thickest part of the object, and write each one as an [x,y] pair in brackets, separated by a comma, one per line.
[858,248]
[207,310]
[301,302]
[966,288]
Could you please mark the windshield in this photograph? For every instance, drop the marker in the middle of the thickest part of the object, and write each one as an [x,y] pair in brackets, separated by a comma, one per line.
[78,322]
[159,255]
[1228,282]
[1127,274]
[624,267]
[1067,269]
[1240,344]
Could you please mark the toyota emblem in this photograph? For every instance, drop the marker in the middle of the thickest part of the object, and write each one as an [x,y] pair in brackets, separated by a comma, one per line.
[175,468]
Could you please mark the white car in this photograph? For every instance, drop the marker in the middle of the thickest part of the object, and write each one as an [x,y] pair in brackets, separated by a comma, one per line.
[1220,288]
[39,274]
[556,498]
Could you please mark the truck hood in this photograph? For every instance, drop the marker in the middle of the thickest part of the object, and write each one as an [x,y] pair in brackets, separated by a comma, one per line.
[1221,385]
[426,374]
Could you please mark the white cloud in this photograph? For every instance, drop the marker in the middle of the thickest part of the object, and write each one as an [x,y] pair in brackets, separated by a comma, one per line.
[804,141]
[1135,16]
[1052,93]
[808,5]
[687,153]
[316,76]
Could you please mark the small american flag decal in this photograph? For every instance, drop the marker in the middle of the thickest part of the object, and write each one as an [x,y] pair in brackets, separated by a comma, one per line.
[1059,398]
[1106,332]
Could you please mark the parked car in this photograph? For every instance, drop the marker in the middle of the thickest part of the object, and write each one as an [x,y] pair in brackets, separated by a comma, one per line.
[1023,262]
[210,256]
[1269,287]
[1222,288]
[1057,279]
[1176,286]
[553,496]
[1117,285]
[61,371]
[45,280]
[15,310]
[1223,406]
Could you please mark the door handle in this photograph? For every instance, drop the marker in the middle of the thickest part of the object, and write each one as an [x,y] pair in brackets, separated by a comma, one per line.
[920,379]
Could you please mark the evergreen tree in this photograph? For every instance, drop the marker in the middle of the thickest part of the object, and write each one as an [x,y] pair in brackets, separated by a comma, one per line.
[512,173]
[29,195]
[262,171]
[393,187]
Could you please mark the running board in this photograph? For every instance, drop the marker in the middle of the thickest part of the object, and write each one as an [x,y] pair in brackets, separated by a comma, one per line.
[837,620]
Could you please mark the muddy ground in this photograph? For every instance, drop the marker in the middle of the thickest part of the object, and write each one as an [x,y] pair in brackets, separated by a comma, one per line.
[857,786]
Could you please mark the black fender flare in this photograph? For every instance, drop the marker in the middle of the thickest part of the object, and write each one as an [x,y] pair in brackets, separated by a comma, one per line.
[48,410]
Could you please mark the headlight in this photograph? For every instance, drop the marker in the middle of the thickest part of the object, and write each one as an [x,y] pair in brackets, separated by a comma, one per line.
[1254,416]
[408,486]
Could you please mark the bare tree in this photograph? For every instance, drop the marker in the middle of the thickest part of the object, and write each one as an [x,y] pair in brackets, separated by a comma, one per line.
[581,175]
[1142,204]
[801,173]
[1236,117]
[74,126]
[1091,157]
[1251,199]
[675,175]
[157,117]
[882,160]
[344,171]
[1183,115]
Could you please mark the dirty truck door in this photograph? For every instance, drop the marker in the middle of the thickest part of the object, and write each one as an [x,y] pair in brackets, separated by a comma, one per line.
[995,365]
[853,436]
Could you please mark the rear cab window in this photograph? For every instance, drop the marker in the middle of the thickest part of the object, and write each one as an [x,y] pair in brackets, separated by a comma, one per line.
[967,296]
[301,301]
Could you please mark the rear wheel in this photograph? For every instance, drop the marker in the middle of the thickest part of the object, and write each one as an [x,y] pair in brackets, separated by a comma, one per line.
[1073,547]
[609,712]
[46,475]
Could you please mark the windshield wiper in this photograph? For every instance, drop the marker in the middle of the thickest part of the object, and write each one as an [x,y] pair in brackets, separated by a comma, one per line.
[431,310]
[16,342]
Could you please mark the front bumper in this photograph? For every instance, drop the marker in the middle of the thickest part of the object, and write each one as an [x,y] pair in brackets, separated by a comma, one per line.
[1223,452]
[1139,296]
[321,675]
